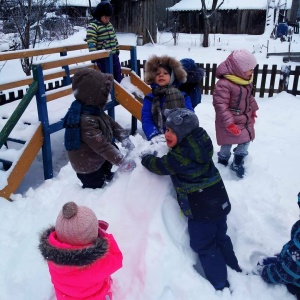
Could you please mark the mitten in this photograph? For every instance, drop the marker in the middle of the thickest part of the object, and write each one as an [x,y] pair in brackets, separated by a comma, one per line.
[233,129]
[259,268]
[269,260]
[148,152]
[127,165]
[118,52]
[254,115]
[160,138]
[102,227]
[127,144]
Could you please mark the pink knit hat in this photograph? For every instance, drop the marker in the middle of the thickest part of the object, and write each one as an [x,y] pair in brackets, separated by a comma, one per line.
[76,225]
[244,59]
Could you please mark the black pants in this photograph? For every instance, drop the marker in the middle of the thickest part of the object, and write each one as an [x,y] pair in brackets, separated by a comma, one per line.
[96,179]
[294,290]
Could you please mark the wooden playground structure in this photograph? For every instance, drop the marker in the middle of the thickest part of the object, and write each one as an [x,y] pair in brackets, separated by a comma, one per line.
[40,137]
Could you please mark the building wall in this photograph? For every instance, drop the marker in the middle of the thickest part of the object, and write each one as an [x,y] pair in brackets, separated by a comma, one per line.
[224,22]
[137,17]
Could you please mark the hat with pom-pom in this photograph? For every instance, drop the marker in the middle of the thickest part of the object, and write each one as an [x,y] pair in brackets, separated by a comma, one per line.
[76,225]
[182,121]
[244,59]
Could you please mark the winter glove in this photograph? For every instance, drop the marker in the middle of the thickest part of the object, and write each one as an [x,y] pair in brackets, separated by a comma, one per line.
[127,144]
[160,138]
[148,152]
[269,260]
[233,129]
[254,115]
[127,165]
[118,52]
[259,269]
[102,227]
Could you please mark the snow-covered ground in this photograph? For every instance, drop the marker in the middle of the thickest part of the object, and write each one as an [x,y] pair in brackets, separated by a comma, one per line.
[141,207]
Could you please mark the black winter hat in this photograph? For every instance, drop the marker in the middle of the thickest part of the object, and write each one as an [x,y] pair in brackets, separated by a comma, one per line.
[103,9]
[182,121]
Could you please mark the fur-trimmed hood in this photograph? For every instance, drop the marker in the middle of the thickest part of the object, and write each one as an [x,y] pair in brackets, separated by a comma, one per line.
[71,257]
[154,62]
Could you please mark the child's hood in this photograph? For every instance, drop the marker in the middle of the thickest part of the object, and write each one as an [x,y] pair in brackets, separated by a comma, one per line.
[154,62]
[71,257]
[91,87]
[231,67]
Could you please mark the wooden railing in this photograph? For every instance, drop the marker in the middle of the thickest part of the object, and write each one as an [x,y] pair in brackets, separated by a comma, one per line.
[6,87]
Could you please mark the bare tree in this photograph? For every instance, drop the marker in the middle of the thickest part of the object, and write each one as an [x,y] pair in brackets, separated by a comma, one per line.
[206,16]
[26,16]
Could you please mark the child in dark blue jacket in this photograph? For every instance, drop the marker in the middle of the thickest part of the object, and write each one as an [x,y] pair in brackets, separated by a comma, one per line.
[201,193]
[162,73]
[285,267]
[192,84]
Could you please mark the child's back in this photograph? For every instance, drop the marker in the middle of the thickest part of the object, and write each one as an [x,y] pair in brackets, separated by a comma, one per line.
[78,251]
[201,193]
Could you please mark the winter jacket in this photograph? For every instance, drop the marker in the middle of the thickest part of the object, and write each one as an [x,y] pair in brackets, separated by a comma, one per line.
[192,84]
[149,126]
[285,269]
[81,272]
[233,103]
[191,168]
[96,146]
[101,36]
[97,131]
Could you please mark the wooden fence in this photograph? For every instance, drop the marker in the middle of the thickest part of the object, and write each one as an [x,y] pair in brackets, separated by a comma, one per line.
[267,81]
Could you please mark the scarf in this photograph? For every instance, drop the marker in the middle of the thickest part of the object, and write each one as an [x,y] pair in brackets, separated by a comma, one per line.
[238,80]
[72,123]
[173,99]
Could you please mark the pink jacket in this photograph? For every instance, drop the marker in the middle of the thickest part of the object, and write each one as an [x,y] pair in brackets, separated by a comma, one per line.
[233,103]
[81,272]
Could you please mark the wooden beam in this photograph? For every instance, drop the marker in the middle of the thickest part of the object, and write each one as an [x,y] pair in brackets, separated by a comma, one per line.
[64,61]
[37,52]
[54,75]
[128,101]
[23,164]
[58,93]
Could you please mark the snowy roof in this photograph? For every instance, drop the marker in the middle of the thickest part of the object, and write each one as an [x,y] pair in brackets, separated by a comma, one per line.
[185,5]
[82,3]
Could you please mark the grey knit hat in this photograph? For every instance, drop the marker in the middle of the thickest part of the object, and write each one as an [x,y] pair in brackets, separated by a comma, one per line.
[182,121]
[76,225]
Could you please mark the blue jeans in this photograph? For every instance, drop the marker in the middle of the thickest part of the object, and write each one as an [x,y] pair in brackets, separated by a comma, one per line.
[208,238]
[240,149]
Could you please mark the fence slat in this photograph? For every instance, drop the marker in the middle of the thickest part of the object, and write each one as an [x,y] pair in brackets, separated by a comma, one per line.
[272,80]
[296,80]
[263,81]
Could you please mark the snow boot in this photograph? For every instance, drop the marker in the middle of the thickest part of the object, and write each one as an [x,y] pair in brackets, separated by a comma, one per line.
[223,161]
[109,176]
[238,165]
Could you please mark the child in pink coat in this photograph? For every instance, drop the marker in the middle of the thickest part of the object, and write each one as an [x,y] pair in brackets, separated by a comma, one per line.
[235,108]
[81,256]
